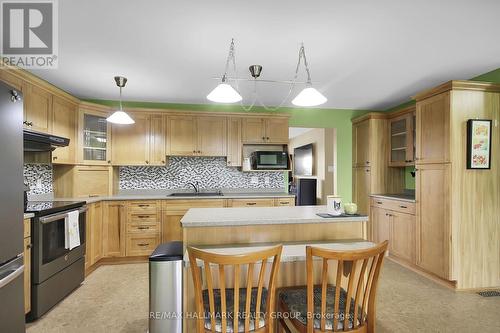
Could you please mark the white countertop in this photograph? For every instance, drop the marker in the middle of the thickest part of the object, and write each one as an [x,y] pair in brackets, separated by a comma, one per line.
[290,252]
[148,196]
[28,215]
[215,217]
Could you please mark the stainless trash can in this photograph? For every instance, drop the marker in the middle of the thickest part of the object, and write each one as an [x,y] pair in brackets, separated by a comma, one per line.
[165,288]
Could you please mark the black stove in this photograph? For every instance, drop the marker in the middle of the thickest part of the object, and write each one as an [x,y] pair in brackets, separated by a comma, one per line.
[40,208]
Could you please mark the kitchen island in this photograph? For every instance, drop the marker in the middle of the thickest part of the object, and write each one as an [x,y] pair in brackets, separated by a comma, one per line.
[222,226]
[239,230]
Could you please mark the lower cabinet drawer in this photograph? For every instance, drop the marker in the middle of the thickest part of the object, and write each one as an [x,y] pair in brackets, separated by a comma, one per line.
[143,227]
[252,203]
[141,245]
[142,206]
[142,218]
[284,202]
[393,204]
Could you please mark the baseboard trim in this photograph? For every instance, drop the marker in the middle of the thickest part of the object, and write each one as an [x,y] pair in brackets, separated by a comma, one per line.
[418,270]
[115,261]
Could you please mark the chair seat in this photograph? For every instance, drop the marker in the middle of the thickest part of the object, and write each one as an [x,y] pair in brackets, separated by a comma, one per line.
[295,300]
[230,310]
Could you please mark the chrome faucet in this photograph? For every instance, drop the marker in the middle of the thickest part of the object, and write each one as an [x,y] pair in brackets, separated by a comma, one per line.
[196,187]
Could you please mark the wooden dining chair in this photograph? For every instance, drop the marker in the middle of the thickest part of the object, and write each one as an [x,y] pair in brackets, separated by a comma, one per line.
[348,305]
[248,305]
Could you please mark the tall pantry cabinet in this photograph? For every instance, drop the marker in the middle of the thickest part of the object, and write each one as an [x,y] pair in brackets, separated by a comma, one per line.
[458,210]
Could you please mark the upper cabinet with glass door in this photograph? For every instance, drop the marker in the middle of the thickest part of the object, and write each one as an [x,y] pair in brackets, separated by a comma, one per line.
[402,139]
[94,135]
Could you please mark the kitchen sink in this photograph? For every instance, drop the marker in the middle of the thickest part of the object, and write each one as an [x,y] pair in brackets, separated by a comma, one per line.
[193,194]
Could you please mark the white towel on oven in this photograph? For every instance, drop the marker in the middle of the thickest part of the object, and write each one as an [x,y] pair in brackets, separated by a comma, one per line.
[72,230]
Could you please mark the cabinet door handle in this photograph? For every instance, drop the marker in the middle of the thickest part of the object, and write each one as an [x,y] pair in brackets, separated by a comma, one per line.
[143,205]
[142,228]
[263,138]
[401,206]
[199,151]
[367,162]
[267,138]
[143,216]
[163,162]
[29,246]
[194,151]
[379,202]
[147,162]
[251,203]
[283,203]
[54,158]
[109,162]
[143,244]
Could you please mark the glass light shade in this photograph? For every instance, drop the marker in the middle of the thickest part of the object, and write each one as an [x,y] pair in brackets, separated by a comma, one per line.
[309,97]
[120,117]
[224,93]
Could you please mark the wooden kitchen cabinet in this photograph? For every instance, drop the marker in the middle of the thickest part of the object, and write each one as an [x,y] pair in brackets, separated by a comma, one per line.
[402,139]
[64,124]
[94,135]
[402,237]
[433,129]
[361,143]
[361,188]
[284,201]
[264,202]
[381,224]
[11,80]
[158,140]
[211,136]
[433,218]
[131,143]
[114,214]
[171,229]
[37,108]
[96,238]
[181,136]
[142,227]
[265,130]
[82,181]
[234,142]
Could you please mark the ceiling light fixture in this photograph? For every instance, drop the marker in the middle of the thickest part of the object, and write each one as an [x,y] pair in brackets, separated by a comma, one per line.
[225,93]
[120,116]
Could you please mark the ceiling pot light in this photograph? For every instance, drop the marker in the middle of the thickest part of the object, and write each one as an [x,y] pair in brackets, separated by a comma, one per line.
[309,97]
[120,116]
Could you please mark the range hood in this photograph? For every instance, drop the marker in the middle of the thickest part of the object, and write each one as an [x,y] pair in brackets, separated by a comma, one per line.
[40,142]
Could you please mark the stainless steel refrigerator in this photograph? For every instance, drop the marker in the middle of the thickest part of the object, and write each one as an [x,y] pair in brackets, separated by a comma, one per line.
[11,211]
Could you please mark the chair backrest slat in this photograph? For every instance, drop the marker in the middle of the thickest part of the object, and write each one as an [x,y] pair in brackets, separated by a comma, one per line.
[236,305]
[208,277]
[338,282]
[238,263]
[347,310]
[222,286]
[324,285]
[249,296]
[359,289]
[356,291]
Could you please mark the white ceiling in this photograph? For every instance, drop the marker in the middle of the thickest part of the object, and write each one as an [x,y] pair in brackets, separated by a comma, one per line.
[363,54]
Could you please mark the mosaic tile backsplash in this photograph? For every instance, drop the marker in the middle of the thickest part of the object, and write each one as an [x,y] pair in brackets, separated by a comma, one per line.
[40,173]
[209,172]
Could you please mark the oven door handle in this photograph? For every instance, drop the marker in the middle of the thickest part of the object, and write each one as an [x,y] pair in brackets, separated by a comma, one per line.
[55,217]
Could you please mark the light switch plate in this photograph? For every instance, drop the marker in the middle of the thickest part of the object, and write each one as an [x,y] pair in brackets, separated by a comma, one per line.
[254,180]
[267,180]
[39,184]
[331,168]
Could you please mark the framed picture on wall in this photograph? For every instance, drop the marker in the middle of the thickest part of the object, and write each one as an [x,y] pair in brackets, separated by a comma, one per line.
[478,144]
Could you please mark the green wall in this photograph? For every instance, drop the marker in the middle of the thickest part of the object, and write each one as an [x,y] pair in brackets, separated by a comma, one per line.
[493,76]
[314,117]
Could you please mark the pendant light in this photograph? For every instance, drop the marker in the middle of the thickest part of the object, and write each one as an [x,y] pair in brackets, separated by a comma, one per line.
[120,116]
[309,96]
[224,92]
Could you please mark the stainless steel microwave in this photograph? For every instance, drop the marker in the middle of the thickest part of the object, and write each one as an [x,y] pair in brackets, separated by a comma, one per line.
[276,160]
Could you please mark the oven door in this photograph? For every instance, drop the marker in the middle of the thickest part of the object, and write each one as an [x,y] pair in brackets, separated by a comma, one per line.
[50,255]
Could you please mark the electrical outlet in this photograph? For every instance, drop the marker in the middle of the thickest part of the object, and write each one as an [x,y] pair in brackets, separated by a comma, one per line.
[254,180]
[267,180]
[39,184]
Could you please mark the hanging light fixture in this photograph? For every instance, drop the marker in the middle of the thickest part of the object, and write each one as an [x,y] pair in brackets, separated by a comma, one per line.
[224,92]
[120,116]
[309,96]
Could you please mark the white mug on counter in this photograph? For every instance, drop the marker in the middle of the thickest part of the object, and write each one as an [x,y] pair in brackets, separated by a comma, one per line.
[334,205]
